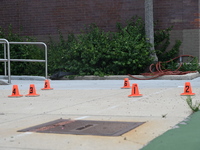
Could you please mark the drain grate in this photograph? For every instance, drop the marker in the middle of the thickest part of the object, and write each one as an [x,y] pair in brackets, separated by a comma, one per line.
[84,127]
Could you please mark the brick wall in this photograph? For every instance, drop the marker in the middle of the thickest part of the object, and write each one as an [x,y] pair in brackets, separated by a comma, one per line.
[182,14]
[42,18]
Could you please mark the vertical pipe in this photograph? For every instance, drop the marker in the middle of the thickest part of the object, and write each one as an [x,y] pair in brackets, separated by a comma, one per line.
[149,26]
[46,66]
[9,72]
[180,59]
[8,55]
[5,63]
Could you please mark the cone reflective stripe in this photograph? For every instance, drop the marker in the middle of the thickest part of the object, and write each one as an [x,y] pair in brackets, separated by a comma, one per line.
[47,85]
[126,84]
[135,91]
[187,89]
[32,91]
[15,92]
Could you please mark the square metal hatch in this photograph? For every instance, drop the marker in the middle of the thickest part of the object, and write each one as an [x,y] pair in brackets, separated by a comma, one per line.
[84,127]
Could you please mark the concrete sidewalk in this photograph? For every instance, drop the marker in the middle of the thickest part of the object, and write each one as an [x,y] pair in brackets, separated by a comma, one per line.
[160,107]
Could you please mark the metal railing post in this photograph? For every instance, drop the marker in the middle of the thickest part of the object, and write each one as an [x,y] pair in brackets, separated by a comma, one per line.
[46,60]
[22,60]
[5,66]
[9,72]
[5,42]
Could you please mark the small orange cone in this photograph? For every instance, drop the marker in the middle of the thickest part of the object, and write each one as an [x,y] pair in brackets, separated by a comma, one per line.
[47,85]
[187,89]
[126,84]
[15,92]
[32,91]
[135,91]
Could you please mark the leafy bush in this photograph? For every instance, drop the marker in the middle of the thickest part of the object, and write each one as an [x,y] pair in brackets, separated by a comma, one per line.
[190,64]
[162,42]
[95,52]
[21,52]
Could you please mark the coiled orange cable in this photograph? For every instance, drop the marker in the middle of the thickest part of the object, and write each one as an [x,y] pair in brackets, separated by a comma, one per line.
[159,72]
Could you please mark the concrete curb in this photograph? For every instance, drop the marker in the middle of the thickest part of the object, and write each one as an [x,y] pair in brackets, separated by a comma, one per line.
[188,76]
[23,78]
[3,82]
[4,79]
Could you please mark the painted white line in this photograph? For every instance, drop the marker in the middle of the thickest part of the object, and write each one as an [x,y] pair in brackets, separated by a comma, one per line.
[82,117]
[79,118]
[180,86]
[109,108]
[22,134]
[113,107]
[136,99]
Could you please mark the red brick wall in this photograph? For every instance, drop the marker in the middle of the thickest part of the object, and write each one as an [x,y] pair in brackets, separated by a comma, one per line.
[42,17]
[182,14]
[45,17]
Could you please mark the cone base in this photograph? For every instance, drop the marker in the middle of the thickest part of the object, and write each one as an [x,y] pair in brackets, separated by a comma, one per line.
[125,87]
[16,96]
[138,95]
[47,89]
[30,95]
[185,94]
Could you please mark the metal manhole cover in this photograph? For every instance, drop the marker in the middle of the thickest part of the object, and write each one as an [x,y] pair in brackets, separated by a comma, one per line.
[84,127]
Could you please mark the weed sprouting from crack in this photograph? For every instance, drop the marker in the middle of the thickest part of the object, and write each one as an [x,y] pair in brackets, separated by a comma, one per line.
[194,107]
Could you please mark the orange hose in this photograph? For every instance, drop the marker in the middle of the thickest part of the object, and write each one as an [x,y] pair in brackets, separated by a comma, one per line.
[159,72]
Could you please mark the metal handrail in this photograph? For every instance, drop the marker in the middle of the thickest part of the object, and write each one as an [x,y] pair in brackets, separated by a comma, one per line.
[4,41]
[22,60]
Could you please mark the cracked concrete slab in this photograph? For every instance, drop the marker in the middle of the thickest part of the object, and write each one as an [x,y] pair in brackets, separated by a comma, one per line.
[161,107]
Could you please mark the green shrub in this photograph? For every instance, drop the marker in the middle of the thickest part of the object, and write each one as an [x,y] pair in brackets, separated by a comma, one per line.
[95,52]
[191,64]
[162,42]
[21,52]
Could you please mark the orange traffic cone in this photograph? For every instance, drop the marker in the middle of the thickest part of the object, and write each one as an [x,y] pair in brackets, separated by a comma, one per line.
[135,91]
[47,85]
[126,84]
[32,91]
[187,89]
[15,92]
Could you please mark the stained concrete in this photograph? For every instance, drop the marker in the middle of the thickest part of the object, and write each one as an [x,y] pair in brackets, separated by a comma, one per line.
[185,136]
[161,107]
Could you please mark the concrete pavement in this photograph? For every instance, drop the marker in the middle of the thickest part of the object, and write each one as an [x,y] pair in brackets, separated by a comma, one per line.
[161,108]
[186,136]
